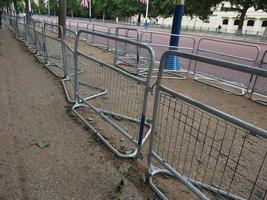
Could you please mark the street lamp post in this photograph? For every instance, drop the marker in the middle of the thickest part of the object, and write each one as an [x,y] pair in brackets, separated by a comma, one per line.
[30,9]
[90,9]
[173,61]
[146,18]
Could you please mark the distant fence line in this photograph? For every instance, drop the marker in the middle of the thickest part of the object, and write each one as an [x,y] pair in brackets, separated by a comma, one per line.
[224,33]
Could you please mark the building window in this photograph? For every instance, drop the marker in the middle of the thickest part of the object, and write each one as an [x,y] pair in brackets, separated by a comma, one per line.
[236,22]
[250,23]
[264,23]
[225,21]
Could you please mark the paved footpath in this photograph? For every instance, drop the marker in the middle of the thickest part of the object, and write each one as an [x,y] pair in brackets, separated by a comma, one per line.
[44,153]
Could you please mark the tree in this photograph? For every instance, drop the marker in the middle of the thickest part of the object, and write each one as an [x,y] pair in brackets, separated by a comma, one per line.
[200,8]
[15,2]
[62,17]
[20,6]
[27,11]
[244,5]
[5,4]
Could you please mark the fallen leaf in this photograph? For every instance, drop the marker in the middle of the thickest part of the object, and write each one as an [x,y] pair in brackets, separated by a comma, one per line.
[41,145]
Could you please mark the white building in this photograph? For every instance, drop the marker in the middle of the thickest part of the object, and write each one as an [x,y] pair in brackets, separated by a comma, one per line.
[255,21]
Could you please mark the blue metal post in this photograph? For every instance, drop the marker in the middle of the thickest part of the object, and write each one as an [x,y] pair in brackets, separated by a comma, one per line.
[172,62]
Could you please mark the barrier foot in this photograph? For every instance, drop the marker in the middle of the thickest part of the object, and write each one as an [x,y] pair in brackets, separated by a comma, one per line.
[134,154]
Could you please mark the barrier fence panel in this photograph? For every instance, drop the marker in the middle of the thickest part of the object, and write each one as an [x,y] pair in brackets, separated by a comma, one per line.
[216,155]
[38,30]
[30,35]
[99,41]
[70,37]
[12,23]
[160,43]
[21,28]
[89,39]
[259,90]
[127,55]
[228,80]
[82,25]
[68,45]
[54,47]
[118,98]
[73,26]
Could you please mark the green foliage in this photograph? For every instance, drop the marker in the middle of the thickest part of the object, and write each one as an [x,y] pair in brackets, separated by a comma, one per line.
[244,5]
[20,6]
[126,8]
[41,9]
[4,3]
[201,8]
[165,8]
[162,8]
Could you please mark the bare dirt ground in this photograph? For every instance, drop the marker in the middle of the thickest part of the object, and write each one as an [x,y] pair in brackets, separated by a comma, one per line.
[44,152]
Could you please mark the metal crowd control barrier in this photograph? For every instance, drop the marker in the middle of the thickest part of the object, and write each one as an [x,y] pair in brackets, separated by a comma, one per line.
[21,28]
[214,154]
[54,50]
[12,23]
[127,55]
[73,26]
[98,41]
[89,27]
[70,37]
[103,43]
[82,25]
[117,97]
[259,90]
[234,82]
[39,41]
[160,43]
[68,45]
[30,34]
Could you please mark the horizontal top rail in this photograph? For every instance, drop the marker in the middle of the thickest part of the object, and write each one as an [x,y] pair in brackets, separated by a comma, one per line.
[119,39]
[101,25]
[171,34]
[190,46]
[127,32]
[264,59]
[221,63]
[174,47]
[228,55]
[239,67]
[126,28]
[38,23]
[30,22]
[71,31]
[53,25]
[120,71]
[228,42]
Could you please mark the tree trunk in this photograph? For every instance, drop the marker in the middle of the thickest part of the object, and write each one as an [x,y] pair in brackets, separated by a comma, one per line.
[62,17]
[27,11]
[242,19]
[16,6]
